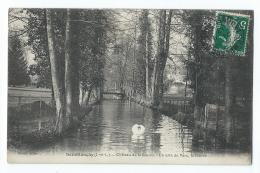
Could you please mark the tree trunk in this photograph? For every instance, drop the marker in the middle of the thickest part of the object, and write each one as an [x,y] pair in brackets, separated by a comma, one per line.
[88,97]
[81,94]
[147,79]
[161,58]
[101,90]
[145,32]
[134,62]
[158,60]
[57,83]
[198,58]
[228,101]
[71,69]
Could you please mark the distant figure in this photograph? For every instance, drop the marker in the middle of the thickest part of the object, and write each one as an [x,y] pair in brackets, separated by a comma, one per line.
[138,129]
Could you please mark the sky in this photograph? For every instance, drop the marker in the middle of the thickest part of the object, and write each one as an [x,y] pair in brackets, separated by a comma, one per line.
[19,25]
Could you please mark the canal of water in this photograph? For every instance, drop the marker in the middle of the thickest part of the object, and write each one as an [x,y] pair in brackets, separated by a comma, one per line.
[108,128]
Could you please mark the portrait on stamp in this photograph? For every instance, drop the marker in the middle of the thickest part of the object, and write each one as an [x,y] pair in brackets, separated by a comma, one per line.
[231,32]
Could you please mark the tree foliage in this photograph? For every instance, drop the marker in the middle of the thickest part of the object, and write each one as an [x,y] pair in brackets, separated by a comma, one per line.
[93,46]
[37,40]
[145,53]
[17,64]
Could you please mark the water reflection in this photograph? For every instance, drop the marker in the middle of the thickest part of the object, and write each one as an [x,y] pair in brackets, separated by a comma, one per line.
[108,128]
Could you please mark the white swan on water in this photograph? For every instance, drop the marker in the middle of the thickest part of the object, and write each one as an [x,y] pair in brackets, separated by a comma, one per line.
[138,129]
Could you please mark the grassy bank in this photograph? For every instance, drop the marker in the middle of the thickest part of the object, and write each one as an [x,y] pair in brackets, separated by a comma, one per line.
[32,126]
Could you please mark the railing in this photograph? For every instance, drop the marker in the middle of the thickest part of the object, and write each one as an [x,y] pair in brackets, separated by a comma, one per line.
[19,96]
[113,93]
[178,104]
[14,101]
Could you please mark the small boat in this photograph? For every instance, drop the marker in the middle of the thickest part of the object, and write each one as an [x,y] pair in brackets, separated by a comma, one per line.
[138,129]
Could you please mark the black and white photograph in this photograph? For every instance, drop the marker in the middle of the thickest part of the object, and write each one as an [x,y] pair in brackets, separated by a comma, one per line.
[133,86]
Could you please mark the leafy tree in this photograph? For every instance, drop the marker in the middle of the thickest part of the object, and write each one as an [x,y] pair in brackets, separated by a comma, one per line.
[37,39]
[161,56]
[17,64]
[144,57]
[212,74]
[199,26]
[94,26]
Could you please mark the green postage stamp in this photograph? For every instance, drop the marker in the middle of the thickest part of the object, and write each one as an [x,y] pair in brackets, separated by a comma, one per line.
[230,35]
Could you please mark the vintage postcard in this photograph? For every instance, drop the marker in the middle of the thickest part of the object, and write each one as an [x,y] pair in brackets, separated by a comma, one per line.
[135,86]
